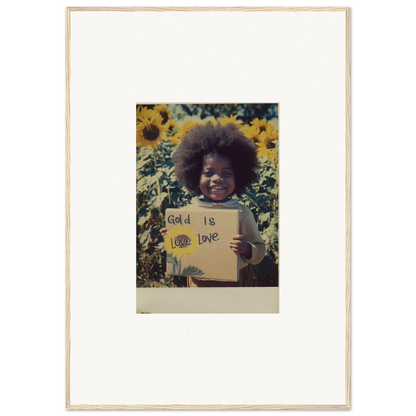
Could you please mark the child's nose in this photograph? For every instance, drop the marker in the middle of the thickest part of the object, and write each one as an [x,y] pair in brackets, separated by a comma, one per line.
[216,177]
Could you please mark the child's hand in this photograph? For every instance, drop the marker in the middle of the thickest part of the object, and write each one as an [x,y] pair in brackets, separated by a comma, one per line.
[240,245]
[163,231]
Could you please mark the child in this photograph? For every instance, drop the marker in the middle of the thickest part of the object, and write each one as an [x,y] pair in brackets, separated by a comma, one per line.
[215,163]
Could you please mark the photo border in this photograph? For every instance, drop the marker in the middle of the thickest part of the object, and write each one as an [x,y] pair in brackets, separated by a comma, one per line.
[350,178]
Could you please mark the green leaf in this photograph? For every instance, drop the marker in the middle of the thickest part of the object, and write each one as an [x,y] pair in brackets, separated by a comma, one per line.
[171,260]
[142,184]
[140,163]
[144,237]
[142,216]
[154,232]
[258,199]
[264,217]
[142,220]
[265,267]
[154,212]
[192,271]
[145,152]
[158,199]
[152,256]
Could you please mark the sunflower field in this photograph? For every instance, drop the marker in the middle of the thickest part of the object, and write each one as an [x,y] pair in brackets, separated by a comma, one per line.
[159,130]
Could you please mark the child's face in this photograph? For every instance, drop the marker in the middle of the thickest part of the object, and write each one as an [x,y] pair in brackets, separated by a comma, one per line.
[217,181]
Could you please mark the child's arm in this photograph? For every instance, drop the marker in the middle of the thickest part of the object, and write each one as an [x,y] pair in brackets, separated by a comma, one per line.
[249,243]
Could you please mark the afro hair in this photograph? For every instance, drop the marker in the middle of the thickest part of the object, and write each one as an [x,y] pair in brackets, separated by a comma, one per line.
[226,141]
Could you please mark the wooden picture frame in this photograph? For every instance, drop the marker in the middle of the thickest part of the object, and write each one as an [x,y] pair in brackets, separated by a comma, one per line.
[103,352]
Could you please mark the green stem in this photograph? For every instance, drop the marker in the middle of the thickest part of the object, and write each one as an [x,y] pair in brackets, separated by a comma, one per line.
[158,184]
[157,179]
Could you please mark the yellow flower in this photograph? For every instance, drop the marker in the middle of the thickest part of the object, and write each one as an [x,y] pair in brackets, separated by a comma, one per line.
[269,149]
[181,241]
[149,132]
[267,145]
[164,112]
[263,151]
[209,119]
[230,120]
[272,155]
[261,124]
[171,125]
[269,136]
[251,132]
[184,128]
[175,139]
[171,132]
[143,112]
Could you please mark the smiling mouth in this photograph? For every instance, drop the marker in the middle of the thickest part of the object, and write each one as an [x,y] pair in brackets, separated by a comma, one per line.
[217,188]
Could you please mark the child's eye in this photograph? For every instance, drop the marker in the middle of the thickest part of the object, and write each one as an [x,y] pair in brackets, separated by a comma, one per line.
[226,174]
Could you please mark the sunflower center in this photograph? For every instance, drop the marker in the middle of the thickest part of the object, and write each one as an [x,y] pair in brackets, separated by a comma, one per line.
[270,145]
[262,128]
[182,241]
[151,133]
[165,116]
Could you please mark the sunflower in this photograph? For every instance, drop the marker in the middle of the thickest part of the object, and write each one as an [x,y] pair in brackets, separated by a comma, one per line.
[263,151]
[181,241]
[251,132]
[171,125]
[273,156]
[143,112]
[209,119]
[261,124]
[171,132]
[164,112]
[185,126]
[230,120]
[149,132]
[268,143]
[269,136]
[268,147]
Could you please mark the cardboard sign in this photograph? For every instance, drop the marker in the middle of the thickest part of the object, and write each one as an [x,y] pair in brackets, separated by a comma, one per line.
[197,243]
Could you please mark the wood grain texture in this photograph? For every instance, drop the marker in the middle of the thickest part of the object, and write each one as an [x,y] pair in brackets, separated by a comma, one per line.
[204,9]
[69,10]
[347,210]
[67,207]
[207,407]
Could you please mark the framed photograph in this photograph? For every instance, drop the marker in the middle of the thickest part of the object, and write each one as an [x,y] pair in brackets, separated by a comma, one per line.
[208,266]
[207,190]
